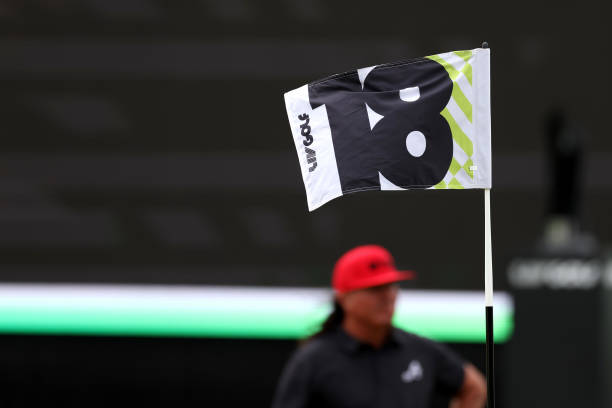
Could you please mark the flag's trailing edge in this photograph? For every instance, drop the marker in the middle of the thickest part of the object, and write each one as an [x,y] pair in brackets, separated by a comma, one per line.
[423,123]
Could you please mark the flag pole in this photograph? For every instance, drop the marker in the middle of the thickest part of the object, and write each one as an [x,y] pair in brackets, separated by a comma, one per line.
[489,302]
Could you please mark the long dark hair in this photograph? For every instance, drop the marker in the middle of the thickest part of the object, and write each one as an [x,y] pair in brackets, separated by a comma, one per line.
[331,323]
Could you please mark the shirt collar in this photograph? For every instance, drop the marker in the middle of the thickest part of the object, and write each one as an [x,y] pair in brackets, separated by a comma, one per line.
[395,337]
[352,345]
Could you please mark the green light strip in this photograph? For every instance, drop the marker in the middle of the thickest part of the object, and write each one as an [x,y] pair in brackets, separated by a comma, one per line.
[229,312]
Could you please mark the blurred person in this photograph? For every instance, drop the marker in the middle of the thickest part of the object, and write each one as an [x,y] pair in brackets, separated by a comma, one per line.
[358,359]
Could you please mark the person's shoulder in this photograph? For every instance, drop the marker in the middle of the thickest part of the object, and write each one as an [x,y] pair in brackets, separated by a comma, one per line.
[414,340]
[406,337]
[316,348]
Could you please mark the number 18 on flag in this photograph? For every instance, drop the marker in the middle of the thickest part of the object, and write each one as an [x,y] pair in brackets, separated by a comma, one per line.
[418,124]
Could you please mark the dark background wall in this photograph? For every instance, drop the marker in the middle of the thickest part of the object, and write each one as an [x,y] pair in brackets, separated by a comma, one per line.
[146,141]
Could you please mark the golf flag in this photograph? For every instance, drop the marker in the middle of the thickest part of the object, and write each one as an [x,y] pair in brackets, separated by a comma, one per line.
[418,124]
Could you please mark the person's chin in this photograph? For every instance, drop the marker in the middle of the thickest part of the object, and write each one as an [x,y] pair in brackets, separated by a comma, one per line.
[384,320]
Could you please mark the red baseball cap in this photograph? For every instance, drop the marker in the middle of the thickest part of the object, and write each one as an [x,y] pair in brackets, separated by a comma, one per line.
[366,266]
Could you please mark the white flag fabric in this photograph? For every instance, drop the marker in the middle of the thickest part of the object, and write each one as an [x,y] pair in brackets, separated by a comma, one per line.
[418,124]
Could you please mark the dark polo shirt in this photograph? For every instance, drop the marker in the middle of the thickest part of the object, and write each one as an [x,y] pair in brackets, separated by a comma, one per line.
[337,371]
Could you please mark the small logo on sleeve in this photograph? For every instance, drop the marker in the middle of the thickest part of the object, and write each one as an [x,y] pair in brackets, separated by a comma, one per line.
[311,155]
[414,372]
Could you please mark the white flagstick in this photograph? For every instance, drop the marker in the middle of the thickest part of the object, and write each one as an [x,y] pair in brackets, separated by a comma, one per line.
[489,301]
[488,251]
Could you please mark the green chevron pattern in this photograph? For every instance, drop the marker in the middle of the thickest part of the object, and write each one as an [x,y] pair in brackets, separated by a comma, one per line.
[458,114]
